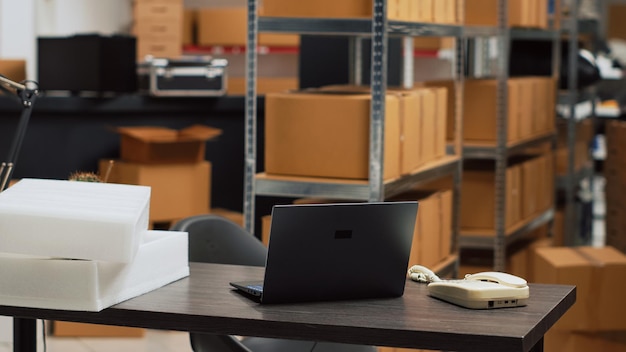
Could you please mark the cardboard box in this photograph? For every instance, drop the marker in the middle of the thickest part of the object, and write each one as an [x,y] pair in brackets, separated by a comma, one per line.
[425,10]
[190,22]
[228,26]
[411,125]
[171,48]
[480,114]
[526,102]
[231,215]
[616,27]
[149,27]
[531,190]
[429,218]
[427,239]
[433,43]
[178,190]
[607,292]
[264,85]
[522,13]
[478,199]
[266,222]
[574,341]
[71,329]
[327,135]
[446,223]
[561,265]
[222,26]
[320,8]
[164,11]
[594,271]
[450,107]
[158,145]
[14,70]
[429,125]
[441,115]
[439,11]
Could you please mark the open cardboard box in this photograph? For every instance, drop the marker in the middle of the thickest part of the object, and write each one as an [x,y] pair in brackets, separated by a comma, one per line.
[152,145]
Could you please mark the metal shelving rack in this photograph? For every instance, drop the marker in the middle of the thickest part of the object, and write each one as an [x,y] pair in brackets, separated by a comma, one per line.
[375,188]
[570,182]
[501,237]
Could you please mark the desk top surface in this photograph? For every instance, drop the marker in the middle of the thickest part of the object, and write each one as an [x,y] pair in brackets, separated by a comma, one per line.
[204,302]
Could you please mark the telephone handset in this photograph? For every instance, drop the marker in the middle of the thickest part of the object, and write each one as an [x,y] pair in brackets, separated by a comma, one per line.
[485,290]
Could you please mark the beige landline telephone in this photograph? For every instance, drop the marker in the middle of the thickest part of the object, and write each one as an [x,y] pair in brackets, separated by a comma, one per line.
[485,290]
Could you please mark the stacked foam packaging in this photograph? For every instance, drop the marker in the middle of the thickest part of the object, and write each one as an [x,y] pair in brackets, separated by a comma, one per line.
[82,246]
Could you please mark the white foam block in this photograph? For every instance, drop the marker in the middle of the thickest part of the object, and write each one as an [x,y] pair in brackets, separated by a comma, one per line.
[70,219]
[85,285]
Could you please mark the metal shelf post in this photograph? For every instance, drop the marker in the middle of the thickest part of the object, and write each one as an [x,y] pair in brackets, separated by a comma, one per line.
[250,123]
[501,128]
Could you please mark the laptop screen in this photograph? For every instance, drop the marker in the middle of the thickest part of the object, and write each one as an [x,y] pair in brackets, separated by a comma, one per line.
[338,251]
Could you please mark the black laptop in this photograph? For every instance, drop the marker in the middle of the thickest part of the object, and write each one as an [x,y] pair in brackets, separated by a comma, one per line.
[322,252]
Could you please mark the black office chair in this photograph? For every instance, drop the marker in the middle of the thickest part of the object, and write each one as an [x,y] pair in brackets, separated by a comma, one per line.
[215,239]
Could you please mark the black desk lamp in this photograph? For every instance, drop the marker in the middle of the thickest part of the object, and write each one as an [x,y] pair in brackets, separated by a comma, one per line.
[27,92]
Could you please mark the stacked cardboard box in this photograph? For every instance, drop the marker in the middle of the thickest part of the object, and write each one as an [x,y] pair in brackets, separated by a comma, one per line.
[615,174]
[432,239]
[529,191]
[14,70]
[158,26]
[531,109]
[227,27]
[325,132]
[582,145]
[522,13]
[429,11]
[597,317]
[171,162]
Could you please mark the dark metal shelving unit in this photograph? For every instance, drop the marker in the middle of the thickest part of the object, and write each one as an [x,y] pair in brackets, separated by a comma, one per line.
[378,29]
[500,237]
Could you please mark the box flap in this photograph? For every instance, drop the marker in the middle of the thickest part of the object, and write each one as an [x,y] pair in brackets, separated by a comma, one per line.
[155,134]
[603,255]
[149,133]
[561,257]
[199,133]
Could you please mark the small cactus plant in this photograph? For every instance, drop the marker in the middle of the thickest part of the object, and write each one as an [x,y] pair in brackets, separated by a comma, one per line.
[85,177]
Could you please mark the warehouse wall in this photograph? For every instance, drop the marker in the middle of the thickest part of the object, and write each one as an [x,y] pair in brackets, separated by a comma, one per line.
[17,32]
[22,21]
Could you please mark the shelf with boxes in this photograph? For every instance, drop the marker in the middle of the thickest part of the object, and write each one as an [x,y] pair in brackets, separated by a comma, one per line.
[355,142]
[509,130]
[575,169]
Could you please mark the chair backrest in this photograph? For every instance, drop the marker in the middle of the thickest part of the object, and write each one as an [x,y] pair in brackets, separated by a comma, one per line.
[215,239]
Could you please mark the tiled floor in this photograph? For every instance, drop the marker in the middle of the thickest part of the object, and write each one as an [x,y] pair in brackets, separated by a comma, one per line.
[153,341]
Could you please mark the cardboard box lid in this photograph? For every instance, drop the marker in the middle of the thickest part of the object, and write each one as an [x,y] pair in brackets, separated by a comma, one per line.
[561,257]
[603,255]
[155,134]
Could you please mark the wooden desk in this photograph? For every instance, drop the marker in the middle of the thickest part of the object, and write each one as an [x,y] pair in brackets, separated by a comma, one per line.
[204,302]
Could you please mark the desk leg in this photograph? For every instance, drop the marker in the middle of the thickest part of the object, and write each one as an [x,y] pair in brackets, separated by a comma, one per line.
[538,347]
[24,335]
